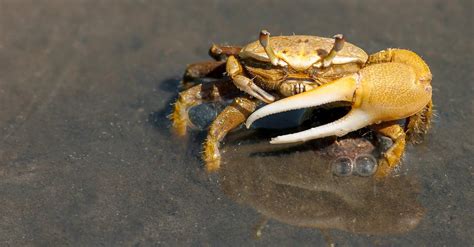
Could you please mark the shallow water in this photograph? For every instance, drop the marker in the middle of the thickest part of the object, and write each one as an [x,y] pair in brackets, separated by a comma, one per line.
[87,158]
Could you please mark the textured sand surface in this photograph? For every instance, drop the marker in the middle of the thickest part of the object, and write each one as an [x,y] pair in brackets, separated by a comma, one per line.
[86,157]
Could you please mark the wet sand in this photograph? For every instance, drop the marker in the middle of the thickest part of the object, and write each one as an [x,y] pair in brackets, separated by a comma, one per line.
[86,155]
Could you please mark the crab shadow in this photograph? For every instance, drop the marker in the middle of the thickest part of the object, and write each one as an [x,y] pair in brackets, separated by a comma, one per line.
[159,119]
[348,145]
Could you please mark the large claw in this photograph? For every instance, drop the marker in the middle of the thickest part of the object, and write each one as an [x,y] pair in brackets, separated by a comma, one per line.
[379,92]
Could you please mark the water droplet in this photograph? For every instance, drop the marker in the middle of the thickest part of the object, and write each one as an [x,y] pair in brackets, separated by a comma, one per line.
[342,166]
[365,165]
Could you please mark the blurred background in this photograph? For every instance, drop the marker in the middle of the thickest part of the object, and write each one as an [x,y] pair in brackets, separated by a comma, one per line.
[86,155]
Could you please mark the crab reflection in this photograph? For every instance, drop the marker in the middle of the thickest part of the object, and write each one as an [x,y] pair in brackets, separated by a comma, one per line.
[297,185]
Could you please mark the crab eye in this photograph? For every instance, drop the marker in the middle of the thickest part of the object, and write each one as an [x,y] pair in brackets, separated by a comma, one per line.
[327,57]
[264,39]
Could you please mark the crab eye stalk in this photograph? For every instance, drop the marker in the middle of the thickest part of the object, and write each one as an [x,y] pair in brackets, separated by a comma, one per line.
[338,45]
[264,39]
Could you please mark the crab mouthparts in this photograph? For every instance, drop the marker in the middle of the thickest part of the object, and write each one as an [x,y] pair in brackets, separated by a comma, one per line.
[340,90]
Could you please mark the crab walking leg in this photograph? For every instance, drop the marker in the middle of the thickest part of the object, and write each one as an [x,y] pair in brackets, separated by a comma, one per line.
[419,124]
[231,117]
[235,71]
[392,156]
[209,69]
[198,94]
[212,69]
[199,72]
[222,52]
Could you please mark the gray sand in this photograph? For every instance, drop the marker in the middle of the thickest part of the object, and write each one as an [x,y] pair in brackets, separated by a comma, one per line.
[86,157]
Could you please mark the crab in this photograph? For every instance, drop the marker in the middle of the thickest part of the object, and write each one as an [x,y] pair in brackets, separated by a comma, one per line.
[300,71]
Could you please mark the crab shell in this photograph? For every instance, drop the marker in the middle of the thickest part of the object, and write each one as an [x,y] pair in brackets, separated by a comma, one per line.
[300,52]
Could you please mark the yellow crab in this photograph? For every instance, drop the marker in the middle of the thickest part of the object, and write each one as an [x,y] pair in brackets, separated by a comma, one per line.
[293,72]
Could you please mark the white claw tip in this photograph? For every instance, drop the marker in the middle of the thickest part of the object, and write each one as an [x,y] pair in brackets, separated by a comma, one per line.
[279,140]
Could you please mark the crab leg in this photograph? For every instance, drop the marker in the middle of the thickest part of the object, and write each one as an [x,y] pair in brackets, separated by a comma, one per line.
[212,69]
[234,69]
[393,155]
[231,117]
[202,72]
[196,95]
[419,124]
[222,52]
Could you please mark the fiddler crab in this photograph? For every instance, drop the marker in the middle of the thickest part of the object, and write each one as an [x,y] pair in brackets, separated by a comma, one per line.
[299,71]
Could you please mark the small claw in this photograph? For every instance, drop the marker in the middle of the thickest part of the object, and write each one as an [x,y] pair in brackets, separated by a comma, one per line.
[234,70]
[248,86]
